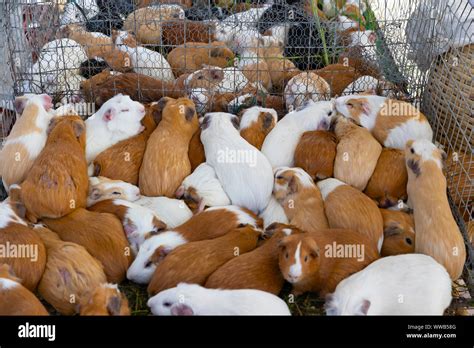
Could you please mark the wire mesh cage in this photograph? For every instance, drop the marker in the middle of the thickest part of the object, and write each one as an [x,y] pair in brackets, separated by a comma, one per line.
[227,55]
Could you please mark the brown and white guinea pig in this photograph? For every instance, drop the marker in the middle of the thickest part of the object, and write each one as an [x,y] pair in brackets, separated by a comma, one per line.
[398,233]
[160,173]
[339,76]
[303,87]
[70,275]
[211,223]
[356,155]
[218,80]
[102,188]
[14,234]
[123,160]
[101,234]
[318,261]
[301,199]
[257,269]
[280,68]
[347,207]
[174,33]
[57,182]
[26,139]
[315,153]
[255,123]
[15,299]
[194,262]
[196,152]
[392,122]
[193,55]
[437,233]
[105,300]
[257,98]
[388,183]
[253,64]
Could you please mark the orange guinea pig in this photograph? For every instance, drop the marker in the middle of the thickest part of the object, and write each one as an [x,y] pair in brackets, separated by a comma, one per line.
[106,299]
[399,233]
[255,123]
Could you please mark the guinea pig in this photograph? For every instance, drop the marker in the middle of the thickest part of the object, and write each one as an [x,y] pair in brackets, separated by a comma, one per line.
[211,223]
[174,33]
[173,212]
[250,97]
[398,233]
[437,233]
[304,87]
[369,83]
[301,199]
[15,299]
[194,262]
[123,160]
[388,183]
[280,144]
[70,274]
[280,68]
[102,188]
[338,76]
[193,55]
[412,284]
[253,64]
[244,172]
[117,119]
[392,122]
[347,207]
[161,174]
[255,124]
[274,212]
[27,138]
[92,67]
[217,80]
[318,261]
[137,220]
[192,299]
[258,269]
[101,234]
[57,183]
[202,189]
[357,153]
[107,300]
[196,152]
[315,153]
[90,87]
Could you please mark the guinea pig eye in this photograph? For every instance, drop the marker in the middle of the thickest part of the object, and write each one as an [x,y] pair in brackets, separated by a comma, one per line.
[200,77]
[279,177]
[408,240]
[350,105]
[125,110]
[412,150]
[167,304]
[286,255]
[116,193]
[306,258]
[148,264]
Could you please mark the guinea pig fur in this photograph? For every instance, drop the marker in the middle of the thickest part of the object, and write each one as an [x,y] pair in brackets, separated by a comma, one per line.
[123,160]
[70,274]
[173,212]
[160,173]
[301,199]
[176,33]
[58,183]
[274,212]
[255,123]
[15,299]
[257,269]
[392,122]
[211,223]
[338,76]
[357,153]
[137,220]
[315,154]
[102,188]
[196,152]
[303,87]
[201,301]
[318,261]
[101,234]
[244,172]
[388,183]
[253,64]
[105,300]
[15,234]
[26,139]
[280,144]
[398,233]
[437,233]
[412,284]
[347,207]
[202,189]
[194,262]
[281,69]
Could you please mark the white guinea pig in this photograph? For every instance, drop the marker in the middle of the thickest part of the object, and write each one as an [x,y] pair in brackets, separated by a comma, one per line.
[409,284]
[102,188]
[193,299]
[117,119]
[173,212]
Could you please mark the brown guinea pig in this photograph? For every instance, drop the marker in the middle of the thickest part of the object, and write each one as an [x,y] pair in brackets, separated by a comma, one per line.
[15,299]
[71,273]
[399,233]
[58,181]
[103,237]
[196,152]
[106,299]
[315,153]
[257,269]
[339,76]
[176,33]
[194,262]
[318,261]
[255,124]
[388,184]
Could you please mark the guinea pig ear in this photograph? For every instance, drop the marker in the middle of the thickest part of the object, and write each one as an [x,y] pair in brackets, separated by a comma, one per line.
[159,254]
[364,307]
[78,127]
[180,192]
[216,52]
[19,104]
[365,106]
[109,114]
[189,113]
[292,185]
[129,227]
[414,166]
[235,122]
[52,124]
[205,122]
[95,193]
[181,309]
[97,169]
[113,305]
[392,230]
[216,74]
[201,206]
[267,120]
[158,224]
